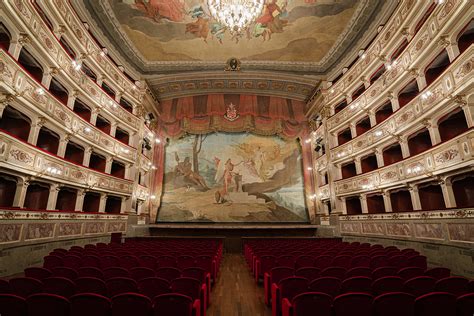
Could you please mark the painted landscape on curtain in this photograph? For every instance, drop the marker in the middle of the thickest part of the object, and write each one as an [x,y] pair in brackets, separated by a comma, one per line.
[233,177]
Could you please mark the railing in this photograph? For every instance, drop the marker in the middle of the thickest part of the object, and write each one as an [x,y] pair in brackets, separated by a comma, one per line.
[453,154]
[44,104]
[454,80]
[25,158]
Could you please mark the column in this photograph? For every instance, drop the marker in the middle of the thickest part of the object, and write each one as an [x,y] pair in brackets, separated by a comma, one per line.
[79,200]
[20,193]
[421,81]
[338,172]
[379,156]
[63,141]
[6,98]
[48,76]
[448,193]
[72,99]
[100,79]
[353,130]
[348,98]
[341,205]
[365,82]
[140,206]
[59,31]
[103,201]
[129,172]
[126,206]
[118,96]
[415,198]
[372,118]
[35,129]
[108,164]
[95,112]
[404,146]
[53,196]
[17,44]
[467,108]
[87,156]
[113,128]
[387,202]
[393,101]
[363,203]
[434,133]
[358,165]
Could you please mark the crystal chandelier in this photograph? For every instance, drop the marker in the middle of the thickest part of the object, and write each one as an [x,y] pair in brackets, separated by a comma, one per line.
[236,15]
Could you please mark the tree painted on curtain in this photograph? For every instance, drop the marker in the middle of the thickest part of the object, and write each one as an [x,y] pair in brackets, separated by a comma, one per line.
[233,177]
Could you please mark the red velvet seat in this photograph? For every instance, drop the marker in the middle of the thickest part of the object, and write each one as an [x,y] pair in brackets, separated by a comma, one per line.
[91,285]
[420,285]
[207,263]
[25,287]
[264,264]
[358,271]
[360,261]
[152,287]
[436,304]
[91,261]
[357,284]
[438,273]
[119,285]
[59,286]
[90,272]
[72,261]
[328,285]
[192,288]
[287,288]
[108,261]
[464,305]
[52,261]
[304,261]
[417,261]
[379,261]
[115,272]
[353,304]
[12,305]
[410,272]
[387,284]
[285,261]
[274,276]
[203,276]
[394,304]
[185,261]
[342,261]
[310,273]
[175,304]
[129,262]
[5,287]
[139,273]
[166,261]
[383,272]
[37,273]
[334,272]
[168,273]
[127,304]
[454,285]
[322,262]
[65,272]
[147,261]
[306,304]
[47,304]
[89,304]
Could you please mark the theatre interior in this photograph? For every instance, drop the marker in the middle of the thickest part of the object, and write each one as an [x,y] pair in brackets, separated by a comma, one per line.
[236,158]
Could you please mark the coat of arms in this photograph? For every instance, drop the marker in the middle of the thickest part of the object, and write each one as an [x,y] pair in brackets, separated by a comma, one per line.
[231,113]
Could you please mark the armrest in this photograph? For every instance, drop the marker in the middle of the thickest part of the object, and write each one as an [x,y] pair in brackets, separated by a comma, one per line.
[257,270]
[267,281]
[197,308]
[204,296]
[286,308]
[275,299]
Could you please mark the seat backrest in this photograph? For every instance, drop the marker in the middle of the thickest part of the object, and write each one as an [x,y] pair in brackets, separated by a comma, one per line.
[464,305]
[357,284]
[72,261]
[47,304]
[91,261]
[292,286]
[38,273]
[139,273]
[59,286]
[454,285]
[195,273]
[410,272]
[306,304]
[280,273]
[327,285]
[304,261]
[184,262]
[360,261]
[398,261]
[358,271]
[379,261]
[131,304]
[420,285]
[343,261]
[128,261]
[5,287]
[147,261]
[387,284]
[154,286]
[394,304]
[52,261]
[120,285]
[90,272]
[417,261]
[65,272]
[322,262]
[267,263]
[173,304]
[335,272]
[12,305]
[89,304]
[91,285]
[310,273]
[436,304]
[108,261]
[353,304]
[384,271]
[438,273]
[115,272]
[166,261]
[285,261]
[186,286]
[25,287]
[168,273]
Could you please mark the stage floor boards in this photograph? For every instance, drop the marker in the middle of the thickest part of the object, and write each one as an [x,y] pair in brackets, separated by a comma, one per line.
[236,293]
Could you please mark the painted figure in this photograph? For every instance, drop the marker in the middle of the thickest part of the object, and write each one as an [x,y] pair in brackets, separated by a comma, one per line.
[172,10]
[185,169]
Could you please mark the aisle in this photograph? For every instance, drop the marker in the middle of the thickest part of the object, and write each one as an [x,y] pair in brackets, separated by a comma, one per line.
[236,293]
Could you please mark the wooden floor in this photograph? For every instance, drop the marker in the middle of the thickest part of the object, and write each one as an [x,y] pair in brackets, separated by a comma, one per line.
[236,293]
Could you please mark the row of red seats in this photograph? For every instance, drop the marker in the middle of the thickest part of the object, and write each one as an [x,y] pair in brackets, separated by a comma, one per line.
[389,304]
[90,304]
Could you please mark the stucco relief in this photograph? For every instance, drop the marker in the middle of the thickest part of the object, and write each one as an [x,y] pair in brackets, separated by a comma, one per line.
[39,230]
[373,228]
[94,228]
[398,229]
[429,231]
[116,227]
[461,232]
[353,228]
[70,229]
[10,232]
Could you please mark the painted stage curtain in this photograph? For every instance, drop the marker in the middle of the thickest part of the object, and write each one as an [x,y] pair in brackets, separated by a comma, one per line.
[262,115]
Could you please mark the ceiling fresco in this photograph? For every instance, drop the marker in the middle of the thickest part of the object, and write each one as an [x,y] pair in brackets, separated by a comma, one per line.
[287,30]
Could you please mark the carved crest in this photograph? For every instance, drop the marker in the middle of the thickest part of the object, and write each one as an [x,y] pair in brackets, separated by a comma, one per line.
[231,113]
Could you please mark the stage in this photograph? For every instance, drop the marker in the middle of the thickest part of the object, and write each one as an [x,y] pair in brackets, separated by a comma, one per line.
[232,233]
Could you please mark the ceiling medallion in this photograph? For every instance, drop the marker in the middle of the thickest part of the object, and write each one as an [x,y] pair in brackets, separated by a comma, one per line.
[233,64]
[236,15]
